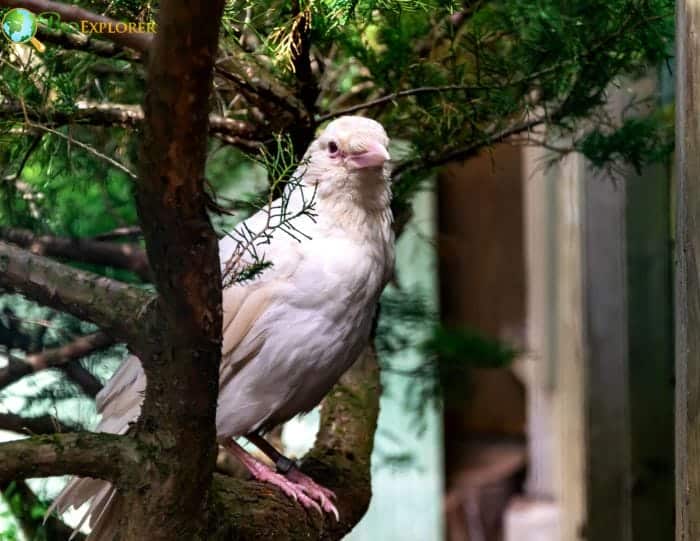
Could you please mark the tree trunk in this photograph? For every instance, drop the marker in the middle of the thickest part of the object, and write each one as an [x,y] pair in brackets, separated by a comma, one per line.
[182,362]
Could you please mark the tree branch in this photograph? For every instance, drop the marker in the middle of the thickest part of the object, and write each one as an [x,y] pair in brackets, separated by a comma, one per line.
[67,359]
[250,79]
[301,58]
[23,504]
[462,153]
[73,13]
[16,369]
[132,232]
[122,311]
[44,424]
[262,90]
[83,378]
[84,345]
[119,255]
[102,456]
[395,95]
[86,43]
[238,133]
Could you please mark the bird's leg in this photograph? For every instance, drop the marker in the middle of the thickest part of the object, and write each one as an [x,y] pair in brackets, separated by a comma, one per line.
[262,472]
[282,463]
[288,468]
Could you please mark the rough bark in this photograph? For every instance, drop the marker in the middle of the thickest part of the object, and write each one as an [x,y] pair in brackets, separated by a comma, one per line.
[103,456]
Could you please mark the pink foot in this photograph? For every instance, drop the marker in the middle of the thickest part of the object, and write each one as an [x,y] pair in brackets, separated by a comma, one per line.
[315,491]
[294,484]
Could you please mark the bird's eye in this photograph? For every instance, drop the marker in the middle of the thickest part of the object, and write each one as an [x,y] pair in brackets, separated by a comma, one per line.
[332,147]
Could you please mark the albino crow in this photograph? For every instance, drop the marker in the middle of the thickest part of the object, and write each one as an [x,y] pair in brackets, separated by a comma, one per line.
[291,331]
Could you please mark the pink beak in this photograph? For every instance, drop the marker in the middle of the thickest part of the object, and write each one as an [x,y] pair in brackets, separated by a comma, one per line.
[374,156]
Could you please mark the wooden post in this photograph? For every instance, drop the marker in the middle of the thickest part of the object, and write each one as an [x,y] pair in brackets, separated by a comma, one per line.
[687,271]
[650,347]
[607,395]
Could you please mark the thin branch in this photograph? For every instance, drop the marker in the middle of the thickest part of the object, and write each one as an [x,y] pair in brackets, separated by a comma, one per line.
[119,255]
[24,511]
[28,154]
[462,153]
[13,371]
[119,309]
[401,94]
[301,58]
[102,456]
[92,150]
[82,377]
[72,13]
[261,89]
[132,232]
[45,424]
[60,357]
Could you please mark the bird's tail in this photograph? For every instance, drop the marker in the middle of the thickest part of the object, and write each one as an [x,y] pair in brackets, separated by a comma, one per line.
[120,404]
[103,512]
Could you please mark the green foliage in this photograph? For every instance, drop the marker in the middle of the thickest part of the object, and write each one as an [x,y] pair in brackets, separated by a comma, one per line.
[488,63]
[638,141]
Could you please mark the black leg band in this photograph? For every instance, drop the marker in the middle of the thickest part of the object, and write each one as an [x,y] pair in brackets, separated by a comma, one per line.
[284,464]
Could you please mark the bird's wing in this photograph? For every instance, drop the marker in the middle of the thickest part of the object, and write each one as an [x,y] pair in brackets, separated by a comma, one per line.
[242,307]
[243,304]
[119,402]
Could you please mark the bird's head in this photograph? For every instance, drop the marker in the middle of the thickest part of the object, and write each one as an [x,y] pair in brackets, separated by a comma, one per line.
[349,155]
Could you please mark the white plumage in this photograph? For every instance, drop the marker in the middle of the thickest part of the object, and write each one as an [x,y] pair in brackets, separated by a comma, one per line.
[291,332]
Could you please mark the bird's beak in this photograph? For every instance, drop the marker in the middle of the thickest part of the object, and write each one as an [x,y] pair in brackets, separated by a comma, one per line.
[373,156]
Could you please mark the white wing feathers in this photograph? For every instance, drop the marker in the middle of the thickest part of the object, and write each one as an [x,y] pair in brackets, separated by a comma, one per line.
[119,402]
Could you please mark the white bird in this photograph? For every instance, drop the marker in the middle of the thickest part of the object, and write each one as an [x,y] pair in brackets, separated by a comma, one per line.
[296,327]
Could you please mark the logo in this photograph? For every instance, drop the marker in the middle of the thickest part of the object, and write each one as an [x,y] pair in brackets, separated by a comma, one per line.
[19,26]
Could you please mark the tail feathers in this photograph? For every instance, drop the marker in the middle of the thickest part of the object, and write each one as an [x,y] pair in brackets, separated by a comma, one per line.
[102,512]
[120,404]
[105,524]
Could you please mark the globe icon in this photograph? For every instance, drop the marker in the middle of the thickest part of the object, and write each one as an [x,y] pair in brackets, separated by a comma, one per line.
[19,26]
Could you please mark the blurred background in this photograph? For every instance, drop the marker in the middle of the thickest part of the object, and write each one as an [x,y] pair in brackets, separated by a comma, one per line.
[526,340]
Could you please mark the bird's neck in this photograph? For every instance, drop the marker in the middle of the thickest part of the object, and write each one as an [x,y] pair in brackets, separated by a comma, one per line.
[361,209]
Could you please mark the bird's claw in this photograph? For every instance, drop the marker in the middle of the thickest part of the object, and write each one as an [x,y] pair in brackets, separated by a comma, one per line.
[319,494]
[300,488]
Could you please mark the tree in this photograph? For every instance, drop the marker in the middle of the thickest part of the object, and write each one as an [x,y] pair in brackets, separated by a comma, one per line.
[448,79]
